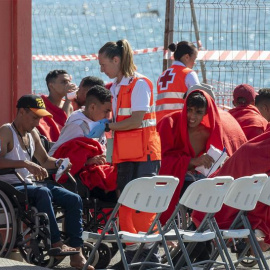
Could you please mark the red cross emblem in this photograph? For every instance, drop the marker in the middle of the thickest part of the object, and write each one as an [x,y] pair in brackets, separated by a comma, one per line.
[166,79]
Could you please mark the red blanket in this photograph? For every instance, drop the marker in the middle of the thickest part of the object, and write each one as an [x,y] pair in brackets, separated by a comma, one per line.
[80,149]
[51,127]
[250,119]
[232,132]
[176,148]
[253,157]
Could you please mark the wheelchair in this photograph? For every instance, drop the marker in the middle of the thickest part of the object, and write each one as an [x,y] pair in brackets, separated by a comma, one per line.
[97,207]
[22,227]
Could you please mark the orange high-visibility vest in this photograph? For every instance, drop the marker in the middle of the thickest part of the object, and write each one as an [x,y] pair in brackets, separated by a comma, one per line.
[171,88]
[136,144]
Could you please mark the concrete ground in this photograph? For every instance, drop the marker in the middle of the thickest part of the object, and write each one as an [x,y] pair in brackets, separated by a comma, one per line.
[64,265]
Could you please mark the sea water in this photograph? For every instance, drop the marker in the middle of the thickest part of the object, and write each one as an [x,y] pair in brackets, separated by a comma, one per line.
[81,27]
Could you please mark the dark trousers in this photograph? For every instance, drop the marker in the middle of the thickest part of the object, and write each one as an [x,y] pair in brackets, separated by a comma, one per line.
[43,197]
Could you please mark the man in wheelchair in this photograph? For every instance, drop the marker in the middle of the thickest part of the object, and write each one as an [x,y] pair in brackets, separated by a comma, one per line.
[19,143]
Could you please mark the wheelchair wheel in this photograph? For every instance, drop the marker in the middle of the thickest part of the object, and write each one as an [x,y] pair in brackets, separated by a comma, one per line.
[183,218]
[247,262]
[41,259]
[33,240]
[86,250]
[8,223]
[105,256]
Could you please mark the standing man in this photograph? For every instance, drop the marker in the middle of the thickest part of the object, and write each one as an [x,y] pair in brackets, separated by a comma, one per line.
[59,84]
[20,142]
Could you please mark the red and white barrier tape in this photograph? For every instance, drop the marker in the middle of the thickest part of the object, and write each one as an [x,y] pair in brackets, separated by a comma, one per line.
[203,55]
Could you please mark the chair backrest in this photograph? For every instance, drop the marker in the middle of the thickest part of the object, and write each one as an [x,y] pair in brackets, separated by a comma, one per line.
[149,194]
[207,195]
[265,195]
[245,192]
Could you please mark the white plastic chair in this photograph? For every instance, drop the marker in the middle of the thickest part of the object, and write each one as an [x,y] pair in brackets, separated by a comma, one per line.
[206,196]
[146,194]
[243,195]
[265,199]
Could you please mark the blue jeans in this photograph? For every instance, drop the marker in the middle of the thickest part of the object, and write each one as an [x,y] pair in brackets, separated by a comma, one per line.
[127,171]
[42,197]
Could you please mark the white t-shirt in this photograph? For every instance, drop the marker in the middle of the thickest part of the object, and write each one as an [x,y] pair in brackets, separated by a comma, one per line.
[18,153]
[140,97]
[191,78]
[77,125]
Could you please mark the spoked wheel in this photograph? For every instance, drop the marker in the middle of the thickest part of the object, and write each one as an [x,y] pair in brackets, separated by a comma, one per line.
[86,250]
[104,256]
[35,250]
[8,225]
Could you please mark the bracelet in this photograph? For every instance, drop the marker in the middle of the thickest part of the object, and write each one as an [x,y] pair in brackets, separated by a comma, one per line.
[56,163]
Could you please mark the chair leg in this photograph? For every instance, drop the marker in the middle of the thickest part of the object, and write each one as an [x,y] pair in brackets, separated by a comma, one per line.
[121,250]
[255,245]
[222,247]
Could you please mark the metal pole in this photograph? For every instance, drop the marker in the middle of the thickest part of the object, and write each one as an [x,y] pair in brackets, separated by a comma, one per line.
[168,31]
[199,44]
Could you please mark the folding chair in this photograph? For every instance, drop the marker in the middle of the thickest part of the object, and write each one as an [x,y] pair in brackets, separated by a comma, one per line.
[243,195]
[265,199]
[206,196]
[146,194]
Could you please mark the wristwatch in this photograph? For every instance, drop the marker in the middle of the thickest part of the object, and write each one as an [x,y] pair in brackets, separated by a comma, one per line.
[107,129]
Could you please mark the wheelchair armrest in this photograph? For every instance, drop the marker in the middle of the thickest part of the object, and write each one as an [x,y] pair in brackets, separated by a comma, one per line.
[52,171]
[7,171]
[70,178]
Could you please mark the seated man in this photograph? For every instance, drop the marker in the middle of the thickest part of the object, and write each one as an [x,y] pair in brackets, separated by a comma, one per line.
[186,137]
[246,114]
[251,158]
[19,143]
[262,102]
[97,107]
[73,141]
[59,84]
[232,131]
[85,85]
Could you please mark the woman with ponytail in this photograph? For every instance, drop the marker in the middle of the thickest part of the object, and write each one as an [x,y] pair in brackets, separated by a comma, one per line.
[176,80]
[136,146]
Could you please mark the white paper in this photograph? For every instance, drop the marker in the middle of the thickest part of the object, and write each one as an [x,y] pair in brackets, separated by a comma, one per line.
[62,168]
[219,157]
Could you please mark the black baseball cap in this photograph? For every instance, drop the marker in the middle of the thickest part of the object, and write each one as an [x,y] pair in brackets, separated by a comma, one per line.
[34,103]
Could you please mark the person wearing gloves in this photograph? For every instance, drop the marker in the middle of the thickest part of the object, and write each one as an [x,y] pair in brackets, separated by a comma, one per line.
[136,145]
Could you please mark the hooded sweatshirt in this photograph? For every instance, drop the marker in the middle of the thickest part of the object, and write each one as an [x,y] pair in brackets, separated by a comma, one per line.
[77,125]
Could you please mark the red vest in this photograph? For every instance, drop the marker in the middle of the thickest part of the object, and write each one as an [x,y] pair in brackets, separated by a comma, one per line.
[136,144]
[171,88]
